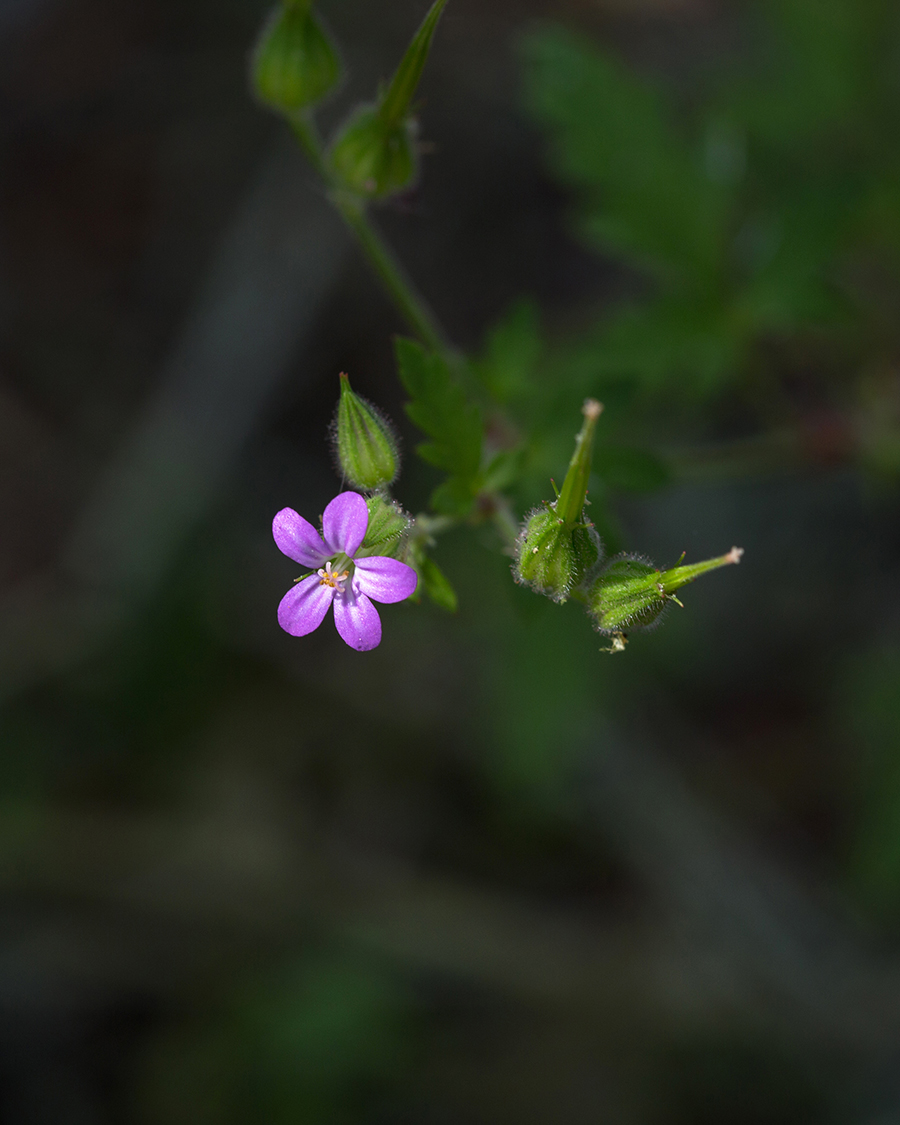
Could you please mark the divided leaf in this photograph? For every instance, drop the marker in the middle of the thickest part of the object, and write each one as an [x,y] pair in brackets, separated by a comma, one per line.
[439,407]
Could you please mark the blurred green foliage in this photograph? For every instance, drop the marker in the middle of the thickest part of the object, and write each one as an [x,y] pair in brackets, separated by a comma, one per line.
[762,211]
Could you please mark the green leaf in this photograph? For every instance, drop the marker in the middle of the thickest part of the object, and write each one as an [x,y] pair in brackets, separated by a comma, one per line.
[513,349]
[439,407]
[504,469]
[644,190]
[436,585]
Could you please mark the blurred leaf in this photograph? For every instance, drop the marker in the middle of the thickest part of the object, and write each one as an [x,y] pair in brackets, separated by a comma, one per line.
[630,469]
[440,409]
[504,469]
[644,192]
[436,585]
[513,348]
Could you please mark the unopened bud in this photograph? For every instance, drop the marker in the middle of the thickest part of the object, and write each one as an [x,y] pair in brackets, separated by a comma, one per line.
[631,593]
[388,529]
[552,556]
[364,441]
[372,158]
[294,64]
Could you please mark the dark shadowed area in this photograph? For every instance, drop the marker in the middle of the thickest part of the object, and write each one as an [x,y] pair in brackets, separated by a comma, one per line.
[485,873]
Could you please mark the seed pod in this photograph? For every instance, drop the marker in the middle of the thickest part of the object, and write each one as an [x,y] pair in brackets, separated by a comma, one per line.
[631,593]
[364,442]
[294,64]
[374,155]
[552,556]
[372,158]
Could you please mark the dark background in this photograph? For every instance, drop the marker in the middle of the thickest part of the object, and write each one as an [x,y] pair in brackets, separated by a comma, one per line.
[485,873]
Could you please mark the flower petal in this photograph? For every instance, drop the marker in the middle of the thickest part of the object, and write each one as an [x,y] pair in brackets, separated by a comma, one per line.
[298,539]
[344,523]
[357,621]
[302,608]
[384,579]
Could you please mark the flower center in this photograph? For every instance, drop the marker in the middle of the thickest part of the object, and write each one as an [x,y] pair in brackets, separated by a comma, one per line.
[329,577]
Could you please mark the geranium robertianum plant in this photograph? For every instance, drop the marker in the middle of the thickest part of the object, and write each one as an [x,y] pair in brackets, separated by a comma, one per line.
[369,548]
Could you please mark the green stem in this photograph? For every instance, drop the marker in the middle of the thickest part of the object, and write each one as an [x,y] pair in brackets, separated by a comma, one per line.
[409,301]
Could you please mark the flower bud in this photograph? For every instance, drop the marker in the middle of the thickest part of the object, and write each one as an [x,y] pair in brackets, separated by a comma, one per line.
[372,158]
[294,63]
[388,530]
[631,593]
[364,441]
[552,556]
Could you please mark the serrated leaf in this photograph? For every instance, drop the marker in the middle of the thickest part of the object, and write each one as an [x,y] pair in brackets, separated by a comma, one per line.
[644,190]
[439,407]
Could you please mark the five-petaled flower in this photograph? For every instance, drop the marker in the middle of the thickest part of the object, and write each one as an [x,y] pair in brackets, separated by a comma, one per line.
[347,582]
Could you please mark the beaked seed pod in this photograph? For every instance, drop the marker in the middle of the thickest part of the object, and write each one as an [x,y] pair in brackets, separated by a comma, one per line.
[552,556]
[631,593]
[627,594]
[373,158]
[294,64]
[364,442]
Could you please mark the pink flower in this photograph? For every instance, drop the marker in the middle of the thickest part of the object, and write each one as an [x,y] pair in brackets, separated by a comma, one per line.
[340,579]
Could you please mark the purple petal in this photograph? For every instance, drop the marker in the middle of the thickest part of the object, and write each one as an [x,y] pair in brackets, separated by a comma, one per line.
[344,523]
[302,608]
[357,621]
[298,539]
[384,579]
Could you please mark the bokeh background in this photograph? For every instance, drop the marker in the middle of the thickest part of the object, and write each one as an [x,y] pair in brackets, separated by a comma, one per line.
[486,873]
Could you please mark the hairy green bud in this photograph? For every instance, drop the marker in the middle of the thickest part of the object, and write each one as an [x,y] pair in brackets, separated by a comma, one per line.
[364,442]
[552,556]
[372,158]
[631,593]
[294,63]
[388,530]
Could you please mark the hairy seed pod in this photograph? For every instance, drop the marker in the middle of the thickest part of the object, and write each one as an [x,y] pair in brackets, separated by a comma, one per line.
[553,557]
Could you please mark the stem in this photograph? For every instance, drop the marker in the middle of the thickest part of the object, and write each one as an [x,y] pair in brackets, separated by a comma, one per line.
[409,301]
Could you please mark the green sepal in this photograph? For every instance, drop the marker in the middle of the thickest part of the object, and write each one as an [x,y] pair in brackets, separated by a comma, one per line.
[365,443]
[371,158]
[553,557]
[294,62]
[388,529]
[394,105]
